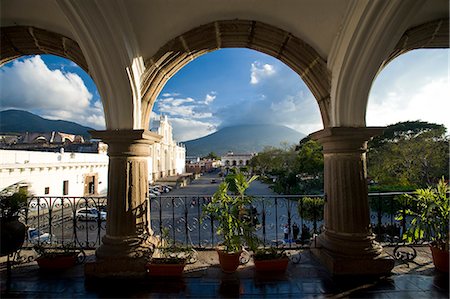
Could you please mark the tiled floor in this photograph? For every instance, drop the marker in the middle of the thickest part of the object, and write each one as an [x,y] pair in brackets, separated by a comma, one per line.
[205,280]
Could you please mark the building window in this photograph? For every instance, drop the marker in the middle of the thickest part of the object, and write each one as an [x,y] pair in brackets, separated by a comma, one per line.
[91,188]
[90,184]
[65,187]
[47,190]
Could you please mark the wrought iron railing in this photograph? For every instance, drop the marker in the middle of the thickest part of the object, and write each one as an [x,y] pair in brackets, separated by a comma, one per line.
[276,220]
[62,220]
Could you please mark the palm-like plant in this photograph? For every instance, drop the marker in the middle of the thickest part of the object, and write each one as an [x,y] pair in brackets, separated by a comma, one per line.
[229,211]
[430,212]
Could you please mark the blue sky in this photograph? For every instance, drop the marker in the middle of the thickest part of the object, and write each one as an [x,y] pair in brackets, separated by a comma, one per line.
[230,87]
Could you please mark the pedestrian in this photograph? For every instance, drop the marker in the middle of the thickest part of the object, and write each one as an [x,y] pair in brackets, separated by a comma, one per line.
[286,232]
[295,230]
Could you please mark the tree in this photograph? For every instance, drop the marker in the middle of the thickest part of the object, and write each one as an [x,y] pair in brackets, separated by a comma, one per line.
[310,166]
[409,155]
[212,156]
[310,157]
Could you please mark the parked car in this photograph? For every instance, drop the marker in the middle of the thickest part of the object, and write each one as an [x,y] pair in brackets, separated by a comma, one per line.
[87,214]
[154,191]
[167,188]
[35,236]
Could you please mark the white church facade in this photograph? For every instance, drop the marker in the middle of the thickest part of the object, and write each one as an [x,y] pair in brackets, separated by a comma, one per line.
[167,157]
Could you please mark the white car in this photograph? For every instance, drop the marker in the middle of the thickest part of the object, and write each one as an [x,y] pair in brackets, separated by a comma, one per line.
[36,236]
[154,191]
[87,214]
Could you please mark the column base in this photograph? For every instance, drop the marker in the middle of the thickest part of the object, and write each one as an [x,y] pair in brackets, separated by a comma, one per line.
[353,265]
[121,258]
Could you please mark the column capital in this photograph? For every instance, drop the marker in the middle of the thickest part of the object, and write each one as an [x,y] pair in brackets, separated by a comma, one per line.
[130,143]
[345,139]
[126,135]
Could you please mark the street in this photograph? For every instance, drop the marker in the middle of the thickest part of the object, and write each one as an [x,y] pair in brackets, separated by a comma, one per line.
[180,211]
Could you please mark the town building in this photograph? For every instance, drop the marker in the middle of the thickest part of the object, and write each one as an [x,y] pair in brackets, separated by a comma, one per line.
[236,160]
[202,166]
[55,173]
[41,162]
[167,157]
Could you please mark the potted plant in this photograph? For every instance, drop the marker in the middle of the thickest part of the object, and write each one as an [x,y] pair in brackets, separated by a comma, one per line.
[430,221]
[51,257]
[12,231]
[169,260]
[230,212]
[270,260]
[266,259]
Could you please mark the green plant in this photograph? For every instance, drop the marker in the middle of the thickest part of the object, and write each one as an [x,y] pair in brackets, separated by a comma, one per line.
[430,211]
[168,252]
[11,205]
[230,211]
[311,209]
[51,251]
[262,254]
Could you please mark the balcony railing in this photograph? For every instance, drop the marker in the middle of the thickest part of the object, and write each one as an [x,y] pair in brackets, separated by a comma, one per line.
[67,220]
[63,220]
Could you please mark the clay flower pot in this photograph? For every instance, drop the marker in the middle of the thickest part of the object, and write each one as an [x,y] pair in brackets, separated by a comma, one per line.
[163,267]
[229,262]
[272,265]
[440,258]
[57,261]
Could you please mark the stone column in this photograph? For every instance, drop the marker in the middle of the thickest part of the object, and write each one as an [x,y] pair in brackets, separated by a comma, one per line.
[346,244]
[127,245]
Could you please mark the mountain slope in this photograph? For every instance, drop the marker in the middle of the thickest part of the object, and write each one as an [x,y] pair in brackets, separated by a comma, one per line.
[242,139]
[19,121]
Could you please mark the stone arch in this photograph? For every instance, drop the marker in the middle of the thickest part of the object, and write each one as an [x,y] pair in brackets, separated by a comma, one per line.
[294,52]
[17,41]
[351,93]
[434,34]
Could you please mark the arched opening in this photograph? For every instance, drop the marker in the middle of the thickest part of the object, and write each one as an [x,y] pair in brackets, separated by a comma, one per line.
[410,97]
[48,94]
[291,50]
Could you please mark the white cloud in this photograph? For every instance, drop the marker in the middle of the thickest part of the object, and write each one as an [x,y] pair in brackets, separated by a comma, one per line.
[176,102]
[298,111]
[260,71]
[173,94]
[210,97]
[415,86]
[187,129]
[31,85]
[429,102]
[186,107]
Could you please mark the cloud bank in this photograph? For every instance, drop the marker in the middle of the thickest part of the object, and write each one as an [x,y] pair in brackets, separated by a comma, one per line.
[415,86]
[30,85]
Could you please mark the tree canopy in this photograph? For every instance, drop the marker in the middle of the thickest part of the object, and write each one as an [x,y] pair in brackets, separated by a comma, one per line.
[297,169]
[212,156]
[409,154]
